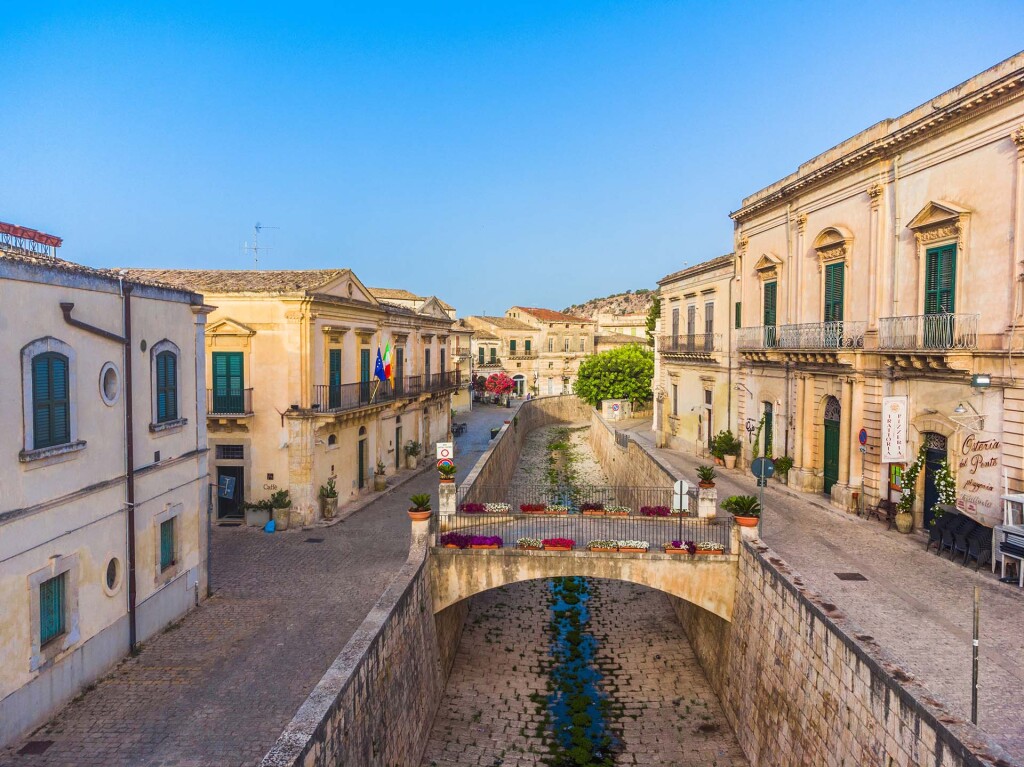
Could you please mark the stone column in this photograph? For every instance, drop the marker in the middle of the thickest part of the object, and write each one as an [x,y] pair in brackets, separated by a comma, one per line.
[447,493]
[805,478]
[856,424]
[300,469]
[798,410]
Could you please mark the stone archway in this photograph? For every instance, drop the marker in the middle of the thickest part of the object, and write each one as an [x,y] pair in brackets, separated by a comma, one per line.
[830,425]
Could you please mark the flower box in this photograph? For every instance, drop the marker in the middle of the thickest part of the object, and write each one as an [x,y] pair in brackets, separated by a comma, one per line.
[616,511]
[593,512]
[533,508]
[673,550]
[558,544]
[709,551]
[680,547]
[550,547]
[497,508]
[631,550]
[557,509]
[529,544]
[602,546]
[633,547]
[530,548]
[602,549]
[452,546]
[484,546]
[707,547]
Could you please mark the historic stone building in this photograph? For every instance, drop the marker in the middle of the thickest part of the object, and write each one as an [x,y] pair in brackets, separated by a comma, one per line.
[293,400]
[104,477]
[890,266]
[694,376]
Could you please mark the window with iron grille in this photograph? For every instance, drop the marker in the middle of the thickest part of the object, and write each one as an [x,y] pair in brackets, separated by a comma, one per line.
[167,544]
[51,608]
[231,452]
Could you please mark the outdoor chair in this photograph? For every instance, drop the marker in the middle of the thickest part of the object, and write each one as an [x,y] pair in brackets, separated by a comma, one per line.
[936,531]
[960,540]
[949,535]
[979,547]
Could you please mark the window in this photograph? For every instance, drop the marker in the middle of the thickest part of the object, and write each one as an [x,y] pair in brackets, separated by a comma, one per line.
[675,321]
[110,384]
[167,558]
[675,399]
[834,292]
[426,362]
[333,378]
[52,612]
[526,344]
[566,343]
[494,354]
[691,323]
[229,382]
[583,344]
[512,346]
[480,355]
[709,317]
[739,314]
[444,361]
[940,280]
[231,452]
[770,292]
[551,344]
[166,387]
[51,403]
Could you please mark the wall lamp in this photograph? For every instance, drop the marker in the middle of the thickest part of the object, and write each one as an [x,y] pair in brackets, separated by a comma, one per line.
[964,417]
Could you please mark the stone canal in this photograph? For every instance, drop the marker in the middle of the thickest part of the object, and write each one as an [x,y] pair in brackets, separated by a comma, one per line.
[576,672]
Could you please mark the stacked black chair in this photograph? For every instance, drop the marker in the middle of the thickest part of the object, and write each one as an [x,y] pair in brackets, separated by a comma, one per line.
[960,525]
[960,541]
[936,531]
[979,546]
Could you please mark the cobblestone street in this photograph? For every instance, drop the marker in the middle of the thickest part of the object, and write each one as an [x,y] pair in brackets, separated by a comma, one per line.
[918,606]
[218,687]
[670,715]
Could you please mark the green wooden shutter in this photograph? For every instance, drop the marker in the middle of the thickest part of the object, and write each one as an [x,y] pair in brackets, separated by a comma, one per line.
[512,346]
[166,387]
[834,276]
[228,382]
[494,354]
[770,292]
[334,367]
[739,314]
[480,355]
[527,344]
[166,544]
[51,608]
[51,422]
[940,280]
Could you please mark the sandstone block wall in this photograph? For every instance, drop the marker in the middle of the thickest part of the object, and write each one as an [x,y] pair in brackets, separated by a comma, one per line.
[801,686]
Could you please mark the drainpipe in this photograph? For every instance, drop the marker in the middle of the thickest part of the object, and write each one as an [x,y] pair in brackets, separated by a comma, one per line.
[895,235]
[730,314]
[129,457]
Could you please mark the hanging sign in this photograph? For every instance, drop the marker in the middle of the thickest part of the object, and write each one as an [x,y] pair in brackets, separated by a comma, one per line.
[445,450]
[894,429]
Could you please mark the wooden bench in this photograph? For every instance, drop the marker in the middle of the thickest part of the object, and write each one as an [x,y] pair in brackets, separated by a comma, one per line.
[883,510]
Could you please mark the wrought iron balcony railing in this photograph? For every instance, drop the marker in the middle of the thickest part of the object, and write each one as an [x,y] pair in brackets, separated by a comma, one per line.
[228,401]
[337,398]
[696,343]
[491,362]
[523,354]
[928,331]
[839,334]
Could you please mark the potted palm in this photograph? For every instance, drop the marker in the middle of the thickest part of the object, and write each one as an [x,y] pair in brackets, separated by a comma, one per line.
[728,447]
[328,499]
[782,466]
[447,473]
[706,476]
[380,481]
[281,503]
[412,451]
[420,510]
[744,508]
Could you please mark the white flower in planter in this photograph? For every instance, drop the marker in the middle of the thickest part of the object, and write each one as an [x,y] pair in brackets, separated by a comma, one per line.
[709,546]
[602,544]
[497,508]
[634,545]
[534,543]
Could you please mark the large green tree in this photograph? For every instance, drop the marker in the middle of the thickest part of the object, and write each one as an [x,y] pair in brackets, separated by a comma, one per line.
[623,373]
[653,314]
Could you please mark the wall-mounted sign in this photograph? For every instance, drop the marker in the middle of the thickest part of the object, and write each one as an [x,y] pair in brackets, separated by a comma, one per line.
[863,437]
[896,476]
[894,429]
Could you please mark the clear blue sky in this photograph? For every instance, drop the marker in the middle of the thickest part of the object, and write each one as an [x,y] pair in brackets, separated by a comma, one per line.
[490,153]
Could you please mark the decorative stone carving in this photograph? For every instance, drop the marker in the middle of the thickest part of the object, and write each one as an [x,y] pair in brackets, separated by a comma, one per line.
[875,191]
[801,222]
[833,244]
[938,221]
[1018,138]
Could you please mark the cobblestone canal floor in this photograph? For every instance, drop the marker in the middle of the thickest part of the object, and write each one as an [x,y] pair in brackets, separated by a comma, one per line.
[664,710]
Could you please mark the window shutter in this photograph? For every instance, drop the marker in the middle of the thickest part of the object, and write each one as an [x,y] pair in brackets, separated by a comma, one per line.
[770,289]
[834,275]
[480,355]
[940,280]
[334,367]
[739,314]
[709,318]
[41,401]
[51,417]
[51,609]
[691,319]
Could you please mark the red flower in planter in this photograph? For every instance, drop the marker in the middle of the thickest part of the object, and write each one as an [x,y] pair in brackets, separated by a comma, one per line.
[559,542]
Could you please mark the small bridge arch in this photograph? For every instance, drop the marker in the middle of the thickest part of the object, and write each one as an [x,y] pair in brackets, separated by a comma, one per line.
[706,581]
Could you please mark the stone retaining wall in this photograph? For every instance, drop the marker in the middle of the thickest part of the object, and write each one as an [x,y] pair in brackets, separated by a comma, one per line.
[497,465]
[377,701]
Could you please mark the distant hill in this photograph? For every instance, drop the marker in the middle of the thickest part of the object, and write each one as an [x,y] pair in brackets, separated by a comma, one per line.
[630,302]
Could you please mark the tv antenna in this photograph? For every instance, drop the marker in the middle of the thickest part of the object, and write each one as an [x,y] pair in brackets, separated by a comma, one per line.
[255,247]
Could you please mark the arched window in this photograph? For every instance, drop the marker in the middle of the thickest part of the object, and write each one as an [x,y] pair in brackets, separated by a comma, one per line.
[51,400]
[362,431]
[165,372]
[332,439]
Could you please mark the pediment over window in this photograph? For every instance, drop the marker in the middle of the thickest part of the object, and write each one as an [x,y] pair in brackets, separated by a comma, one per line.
[939,220]
[767,266]
[229,327]
[833,243]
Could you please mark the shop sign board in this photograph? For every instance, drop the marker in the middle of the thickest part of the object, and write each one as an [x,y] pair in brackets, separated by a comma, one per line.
[894,429]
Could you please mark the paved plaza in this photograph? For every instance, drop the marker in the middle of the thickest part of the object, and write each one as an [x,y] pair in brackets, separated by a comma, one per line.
[218,687]
[917,606]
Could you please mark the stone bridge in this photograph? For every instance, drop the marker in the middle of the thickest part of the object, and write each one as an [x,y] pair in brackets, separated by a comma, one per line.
[708,581]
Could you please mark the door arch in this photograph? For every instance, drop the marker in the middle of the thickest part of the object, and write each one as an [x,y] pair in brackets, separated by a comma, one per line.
[830,464]
[520,383]
[935,452]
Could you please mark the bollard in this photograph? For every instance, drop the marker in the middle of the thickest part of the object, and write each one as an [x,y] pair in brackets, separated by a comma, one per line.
[707,502]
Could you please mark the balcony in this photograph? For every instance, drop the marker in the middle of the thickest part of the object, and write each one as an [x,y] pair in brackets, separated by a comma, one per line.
[928,333]
[696,345]
[493,362]
[229,403]
[338,398]
[807,336]
[522,354]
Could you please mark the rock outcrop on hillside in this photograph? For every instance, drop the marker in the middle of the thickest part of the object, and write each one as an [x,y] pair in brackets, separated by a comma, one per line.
[630,302]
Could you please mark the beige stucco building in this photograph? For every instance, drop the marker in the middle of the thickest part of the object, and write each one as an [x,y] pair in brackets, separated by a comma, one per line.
[693,382]
[88,359]
[293,398]
[634,325]
[891,266]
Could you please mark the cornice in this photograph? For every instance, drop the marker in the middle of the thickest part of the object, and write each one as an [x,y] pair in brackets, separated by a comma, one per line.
[967,108]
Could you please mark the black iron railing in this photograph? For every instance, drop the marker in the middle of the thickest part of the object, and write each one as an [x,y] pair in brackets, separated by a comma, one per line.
[228,401]
[696,343]
[340,397]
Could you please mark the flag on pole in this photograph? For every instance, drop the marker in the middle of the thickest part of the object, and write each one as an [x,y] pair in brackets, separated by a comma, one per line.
[388,372]
[378,369]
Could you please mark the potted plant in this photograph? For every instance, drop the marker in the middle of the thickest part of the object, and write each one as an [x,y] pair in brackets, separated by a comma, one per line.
[634,547]
[420,510]
[680,547]
[655,511]
[709,547]
[604,546]
[558,544]
[497,508]
[454,540]
[706,476]
[744,508]
[412,450]
[727,446]
[782,466]
[533,508]
[557,508]
[380,480]
[447,473]
[281,503]
[257,513]
[905,507]
[328,499]
[530,544]
[485,542]
[593,509]
[617,511]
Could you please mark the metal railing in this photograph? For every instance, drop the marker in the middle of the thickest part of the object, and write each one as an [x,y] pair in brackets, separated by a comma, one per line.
[761,337]
[340,397]
[696,343]
[928,331]
[522,355]
[491,362]
[228,401]
[838,334]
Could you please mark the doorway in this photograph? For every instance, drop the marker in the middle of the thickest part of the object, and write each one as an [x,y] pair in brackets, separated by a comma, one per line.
[520,384]
[708,420]
[361,482]
[934,454]
[398,444]
[833,413]
[769,429]
[231,508]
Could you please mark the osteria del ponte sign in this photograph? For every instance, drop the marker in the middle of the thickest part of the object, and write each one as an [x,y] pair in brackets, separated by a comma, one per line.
[978,479]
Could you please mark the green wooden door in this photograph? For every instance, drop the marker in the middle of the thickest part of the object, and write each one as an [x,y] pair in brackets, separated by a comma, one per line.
[364,377]
[831,454]
[334,378]
[939,296]
[399,370]
[362,463]
[228,382]
[770,307]
[834,292]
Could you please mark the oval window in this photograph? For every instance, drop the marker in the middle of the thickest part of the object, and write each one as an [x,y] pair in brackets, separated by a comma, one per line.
[110,383]
[113,575]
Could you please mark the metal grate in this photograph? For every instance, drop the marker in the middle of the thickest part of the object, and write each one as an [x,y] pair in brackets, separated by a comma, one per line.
[35,747]
[231,452]
[314,540]
[850,577]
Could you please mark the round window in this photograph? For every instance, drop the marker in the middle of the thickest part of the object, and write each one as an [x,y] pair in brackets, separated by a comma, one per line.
[110,383]
[113,575]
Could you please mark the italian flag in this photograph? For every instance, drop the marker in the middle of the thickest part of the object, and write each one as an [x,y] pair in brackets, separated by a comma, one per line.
[388,373]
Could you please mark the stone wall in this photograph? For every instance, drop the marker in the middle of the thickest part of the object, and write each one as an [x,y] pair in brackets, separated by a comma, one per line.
[800,685]
[497,465]
[376,703]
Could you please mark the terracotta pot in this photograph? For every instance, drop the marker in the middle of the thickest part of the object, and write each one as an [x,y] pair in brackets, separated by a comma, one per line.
[706,485]
[709,551]
[328,507]
[904,521]
[719,462]
[616,513]
[746,521]
[419,516]
[594,513]
[623,550]
[730,462]
[529,548]
[600,550]
[483,546]
[444,481]
[670,550]
[450,546]
[557,548]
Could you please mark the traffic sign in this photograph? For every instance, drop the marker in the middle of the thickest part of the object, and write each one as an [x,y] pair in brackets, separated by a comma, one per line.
[226,487]
[443,462]
[679,491]
[762,468]
[863,436]
[445,450]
